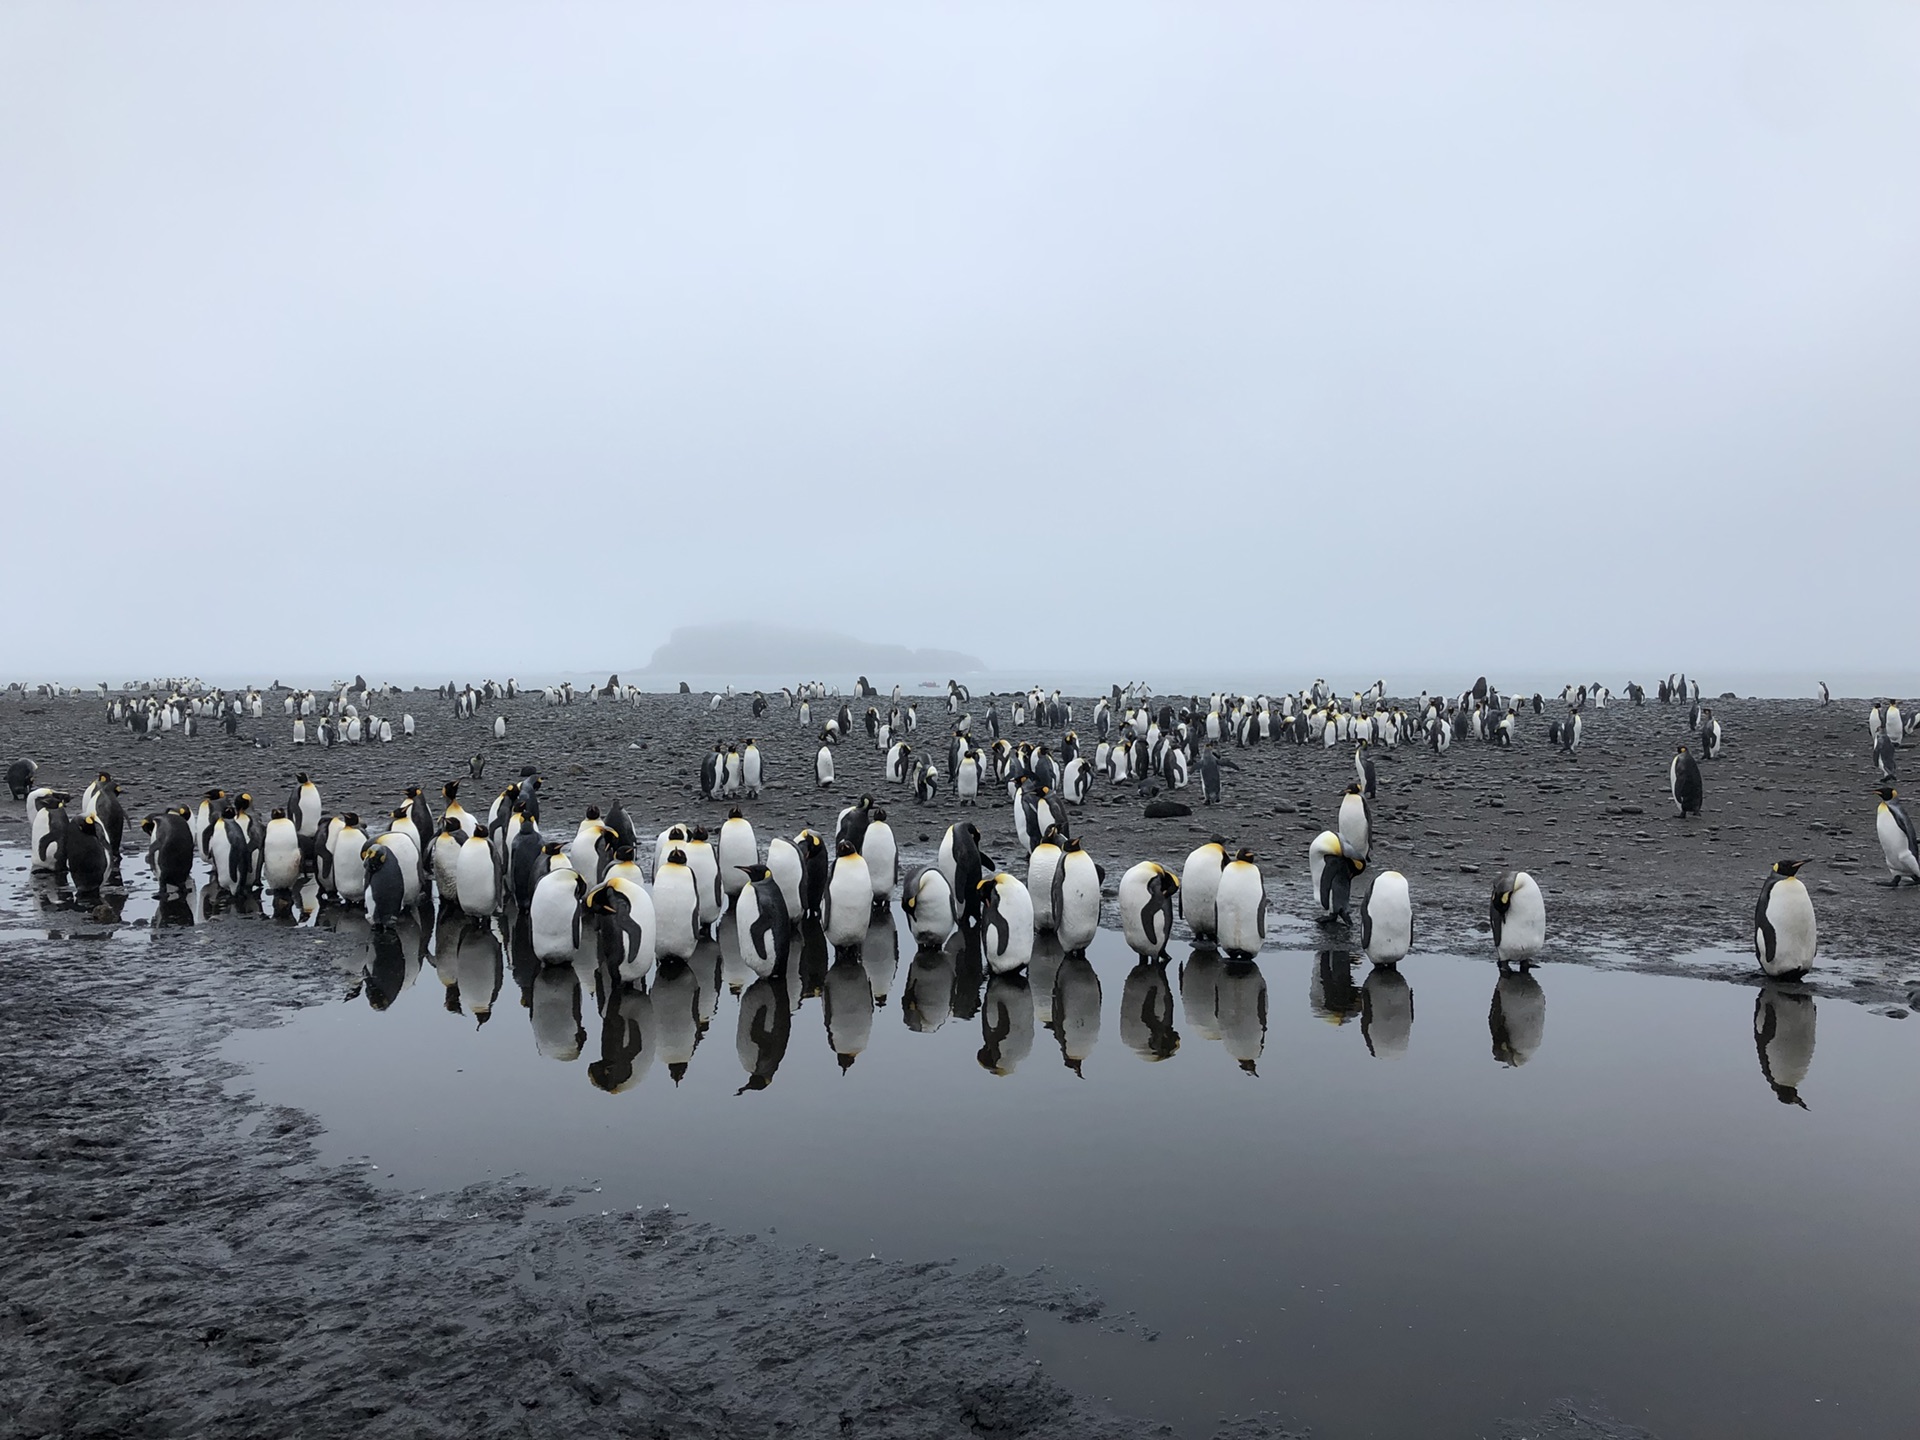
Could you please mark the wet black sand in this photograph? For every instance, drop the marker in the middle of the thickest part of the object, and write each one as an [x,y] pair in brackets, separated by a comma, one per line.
[178,1264]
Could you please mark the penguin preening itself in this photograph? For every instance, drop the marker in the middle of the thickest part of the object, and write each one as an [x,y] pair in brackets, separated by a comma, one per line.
[1897,843]
[1519,915]
[1785,934]
[1683,782]
[1386,919]
[1331,869]
[1147,894]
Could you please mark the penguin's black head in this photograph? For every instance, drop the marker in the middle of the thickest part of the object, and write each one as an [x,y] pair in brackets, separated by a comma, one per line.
[1789,868]
[553,847]
[879,817]
[480,832]
[1354,788]
[227,812]
[1681,751]
[1887,792]
[734,814]
[278,814]
[1245,855]
[755,872]
[448,826]
[845,848]
[351,818]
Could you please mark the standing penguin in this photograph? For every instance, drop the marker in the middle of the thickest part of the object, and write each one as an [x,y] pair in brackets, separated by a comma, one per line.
[676,907]
[1076,898]
[1356,824]
[1683,781]
[1200,887]
[882,853]
[1363,770]
[849,898]
[20,777]
[280,851]
[1710,735]
[1147,894]
[1386,919]
[823,765]
[927,899]
[750,768]
[1241,908]
[170,849]
[815,867]
[622,914]
[1518,912]
[477,877]
[1331,870]
[1897,843]
[764,924]
[738,849]
[87,854]
[1785,935]
[385,887]
[1006,923]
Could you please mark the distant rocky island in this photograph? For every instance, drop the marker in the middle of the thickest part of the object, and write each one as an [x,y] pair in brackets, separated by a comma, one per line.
[756,649]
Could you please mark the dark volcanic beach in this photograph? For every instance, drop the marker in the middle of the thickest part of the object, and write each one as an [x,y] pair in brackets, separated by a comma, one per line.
[180,1263]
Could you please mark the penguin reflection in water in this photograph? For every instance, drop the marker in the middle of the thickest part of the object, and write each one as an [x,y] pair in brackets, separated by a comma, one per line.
[1517,1017]
[1783,1023]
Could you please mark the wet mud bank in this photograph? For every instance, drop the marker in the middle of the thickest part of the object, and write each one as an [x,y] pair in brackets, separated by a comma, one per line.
[177,1264]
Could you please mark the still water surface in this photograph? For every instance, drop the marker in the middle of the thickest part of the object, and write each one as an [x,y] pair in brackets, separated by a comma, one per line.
[1379,1204]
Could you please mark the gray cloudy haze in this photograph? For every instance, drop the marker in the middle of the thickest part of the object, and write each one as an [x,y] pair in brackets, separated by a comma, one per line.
[471,338]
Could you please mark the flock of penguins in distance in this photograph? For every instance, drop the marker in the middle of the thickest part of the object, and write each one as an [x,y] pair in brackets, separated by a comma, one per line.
[601,892]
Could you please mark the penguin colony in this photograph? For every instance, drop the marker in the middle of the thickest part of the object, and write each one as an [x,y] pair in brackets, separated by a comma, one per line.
[597,887]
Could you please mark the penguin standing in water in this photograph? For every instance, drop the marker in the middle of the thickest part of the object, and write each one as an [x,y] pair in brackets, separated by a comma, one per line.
[1006,923]
[815,866]
[1897,842]
[1199,887]
[1519,915]
[1783,1031]
[1785,935]
[764,923]
[928,901]
[1147,894]
[1386,919]
[1683,782]
[849,898]
[385,886]
[170,849]
[87,854]
[1240,908]
[1331,870]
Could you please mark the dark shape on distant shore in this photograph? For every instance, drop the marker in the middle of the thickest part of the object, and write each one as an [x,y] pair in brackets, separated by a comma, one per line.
[753,648]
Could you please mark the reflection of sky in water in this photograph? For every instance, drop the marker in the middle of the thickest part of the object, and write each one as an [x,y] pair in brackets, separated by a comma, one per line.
[1375,1201]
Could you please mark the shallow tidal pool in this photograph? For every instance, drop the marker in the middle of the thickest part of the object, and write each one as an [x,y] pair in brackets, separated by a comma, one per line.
[1376,1203]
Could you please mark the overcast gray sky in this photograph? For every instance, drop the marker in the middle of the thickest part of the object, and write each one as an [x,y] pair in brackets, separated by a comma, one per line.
[1442,336]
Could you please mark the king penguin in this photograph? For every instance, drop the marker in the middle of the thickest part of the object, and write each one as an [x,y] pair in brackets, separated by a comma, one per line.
[1897,843]
[1785,935]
